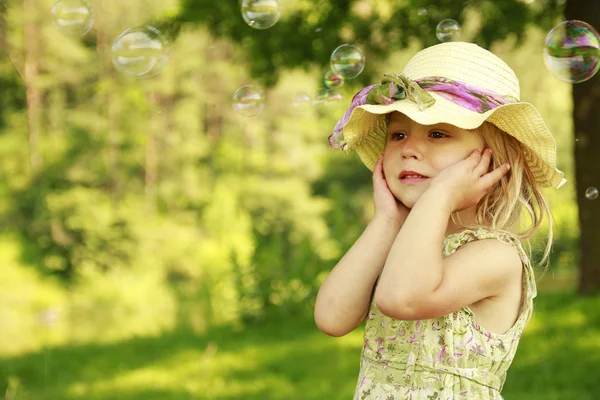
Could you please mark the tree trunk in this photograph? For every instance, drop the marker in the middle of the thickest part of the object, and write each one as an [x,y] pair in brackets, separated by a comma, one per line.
[213,122]
[5,50]
[271,147]
[213,128]
[154,130]
[33,93]
[3,42]
[102,48]
[586,106]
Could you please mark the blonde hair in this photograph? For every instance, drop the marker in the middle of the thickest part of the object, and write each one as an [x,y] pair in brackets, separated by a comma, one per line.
[502,208]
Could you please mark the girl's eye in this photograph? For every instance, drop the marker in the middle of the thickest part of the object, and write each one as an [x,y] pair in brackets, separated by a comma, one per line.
[398,135]
[438,135]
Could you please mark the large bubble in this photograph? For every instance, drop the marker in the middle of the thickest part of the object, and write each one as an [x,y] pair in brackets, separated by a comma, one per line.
[348,61]
[141,51]
[571,51]
[448,30]
[248,100]
[261,14]
[72,17]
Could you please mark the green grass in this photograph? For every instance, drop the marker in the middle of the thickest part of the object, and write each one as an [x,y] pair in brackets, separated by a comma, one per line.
[558,358]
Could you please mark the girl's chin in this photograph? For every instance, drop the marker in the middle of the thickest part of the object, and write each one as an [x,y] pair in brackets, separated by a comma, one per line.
[408,201]
[408,195]
[409,205]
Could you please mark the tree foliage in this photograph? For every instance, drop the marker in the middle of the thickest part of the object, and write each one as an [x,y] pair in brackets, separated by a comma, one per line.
[309,31]
[154,204]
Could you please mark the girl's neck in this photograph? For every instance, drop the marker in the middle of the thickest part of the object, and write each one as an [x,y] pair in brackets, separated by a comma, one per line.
[461,221]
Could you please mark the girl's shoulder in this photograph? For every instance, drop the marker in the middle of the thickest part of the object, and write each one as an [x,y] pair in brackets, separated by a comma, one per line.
[454,241]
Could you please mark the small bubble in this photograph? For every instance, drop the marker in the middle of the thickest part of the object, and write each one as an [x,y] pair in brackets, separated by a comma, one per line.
[348,61]
[261,14]
[327,98]
[333,80]
[320,98]
[448,30]
[301,100]
[141,51]
[591,193]
[571,51]
[335,100]
[72,17]
[422,12]
[318,30]
[248,100]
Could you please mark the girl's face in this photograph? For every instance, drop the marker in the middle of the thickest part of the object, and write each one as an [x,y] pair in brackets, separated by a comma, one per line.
[414,149]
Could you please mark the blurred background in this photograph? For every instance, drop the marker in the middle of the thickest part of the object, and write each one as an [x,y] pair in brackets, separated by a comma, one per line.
[169,202]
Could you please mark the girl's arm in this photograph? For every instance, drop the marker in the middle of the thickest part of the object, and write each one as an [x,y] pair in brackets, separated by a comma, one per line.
[416,282]
[343,299]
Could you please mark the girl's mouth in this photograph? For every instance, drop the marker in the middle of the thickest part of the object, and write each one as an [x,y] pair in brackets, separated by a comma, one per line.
[413,179]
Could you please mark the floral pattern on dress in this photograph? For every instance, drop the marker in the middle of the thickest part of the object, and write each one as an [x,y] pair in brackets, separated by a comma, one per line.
[450,357]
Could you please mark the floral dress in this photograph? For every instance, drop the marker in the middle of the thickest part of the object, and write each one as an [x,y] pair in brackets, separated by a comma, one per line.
[450,357]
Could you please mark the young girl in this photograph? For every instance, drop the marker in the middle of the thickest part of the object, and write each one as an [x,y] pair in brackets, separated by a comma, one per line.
[439,273]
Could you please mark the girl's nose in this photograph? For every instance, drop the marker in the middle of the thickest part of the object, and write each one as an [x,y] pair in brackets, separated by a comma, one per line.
[412,147]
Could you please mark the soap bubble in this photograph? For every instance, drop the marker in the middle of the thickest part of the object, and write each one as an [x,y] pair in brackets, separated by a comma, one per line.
[348,61]
[571,51]
[335,99]
[422,12]
[591,193]
[72,17]
[448,30]
[141,51]
[301,100]
[248,100]
[261,14]
[327,99]
[333,80]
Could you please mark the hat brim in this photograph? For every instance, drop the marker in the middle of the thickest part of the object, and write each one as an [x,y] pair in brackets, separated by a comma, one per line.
[366,130]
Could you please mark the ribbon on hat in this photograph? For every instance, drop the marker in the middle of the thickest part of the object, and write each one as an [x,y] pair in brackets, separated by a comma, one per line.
[396,87]
[465,95]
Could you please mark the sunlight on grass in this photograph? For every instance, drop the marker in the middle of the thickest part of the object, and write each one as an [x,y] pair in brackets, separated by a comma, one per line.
[216,372]
[575,318]
[589,341]
[353,339]
[281,359]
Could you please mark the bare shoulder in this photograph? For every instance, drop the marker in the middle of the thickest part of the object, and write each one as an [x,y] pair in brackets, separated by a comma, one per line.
[489,250]
[493,263]
[478,270]
[499,305]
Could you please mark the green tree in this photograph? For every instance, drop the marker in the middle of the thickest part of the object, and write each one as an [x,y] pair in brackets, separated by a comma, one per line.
[309,31]
[157,175]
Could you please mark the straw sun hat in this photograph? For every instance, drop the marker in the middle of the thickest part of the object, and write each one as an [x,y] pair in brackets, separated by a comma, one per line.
[456,83]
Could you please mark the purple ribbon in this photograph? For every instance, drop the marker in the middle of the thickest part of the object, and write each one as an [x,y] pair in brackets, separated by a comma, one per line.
[460,93]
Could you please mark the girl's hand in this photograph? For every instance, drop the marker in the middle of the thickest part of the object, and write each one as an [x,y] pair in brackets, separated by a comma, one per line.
[464,183]
[386,204]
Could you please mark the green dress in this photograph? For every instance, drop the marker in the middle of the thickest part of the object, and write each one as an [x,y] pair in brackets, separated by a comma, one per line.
[450,357]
